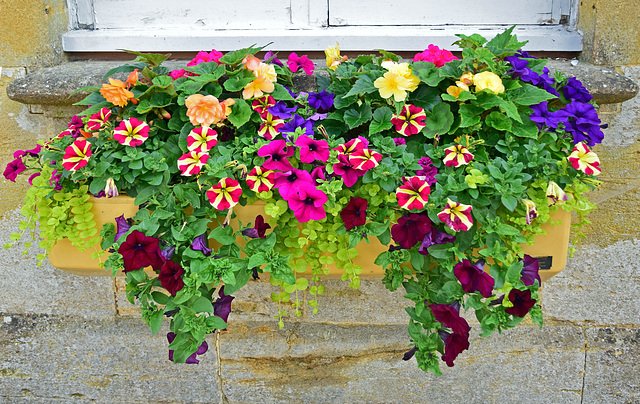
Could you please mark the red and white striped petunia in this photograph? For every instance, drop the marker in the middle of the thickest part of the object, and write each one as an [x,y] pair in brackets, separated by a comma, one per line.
[202,139]
[76,155]
[225,194]
[270,126]
[410,120]
[457,155]
[131,132]
[97,120]
[456,215]
[192,162]
[364,159]
[583,159]
[260,180]
[414,193]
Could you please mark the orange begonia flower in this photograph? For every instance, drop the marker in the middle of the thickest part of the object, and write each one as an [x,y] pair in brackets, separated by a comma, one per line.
[257,88]
[116,92]
[206,110]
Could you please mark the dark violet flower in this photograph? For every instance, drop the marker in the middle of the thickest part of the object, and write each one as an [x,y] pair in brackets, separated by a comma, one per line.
[222,305]
[410,353]
[308,203]
[410,229]
[355,213]
[170,277]
[281,110]
[454,344]
[192,358]
[584,123]
[525,54]
[54,181]
[542,116]
[140,251]
[522,302]
[271,57]
[574,90]
[14,168]
[258,230]
[473,278]
[519,68]
[322,101]
[529,272]
[225,133]
[449,316]
[200,244]
[167,252]
[277,152]
[122,226]
[433,237]
[428,170]
[297,122]
[288,182]
[311,149]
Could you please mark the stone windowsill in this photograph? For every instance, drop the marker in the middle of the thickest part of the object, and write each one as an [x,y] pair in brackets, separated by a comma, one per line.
[57,85]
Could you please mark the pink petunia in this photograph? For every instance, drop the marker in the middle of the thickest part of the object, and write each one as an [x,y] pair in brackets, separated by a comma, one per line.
[435,55]
[131,132]
[307,203]
[76,155]
[191,163]
[202,139]
[260,180]
[276,152]
[225,194]
[296,62]
[311,149]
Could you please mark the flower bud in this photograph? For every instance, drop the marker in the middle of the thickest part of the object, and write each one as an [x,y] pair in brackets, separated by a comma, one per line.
[555,194]
[532,210]
[110,189]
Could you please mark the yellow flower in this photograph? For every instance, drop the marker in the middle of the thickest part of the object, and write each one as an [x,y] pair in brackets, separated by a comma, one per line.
[402,69]
[392,85]
[454,91]
[333,57]
[488,80]
[266,71]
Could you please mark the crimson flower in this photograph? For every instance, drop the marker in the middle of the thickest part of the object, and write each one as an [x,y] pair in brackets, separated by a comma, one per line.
[522,302]
[473,278]
[170,277]
[355,213]
[140,251]
[454,344]
[410,229]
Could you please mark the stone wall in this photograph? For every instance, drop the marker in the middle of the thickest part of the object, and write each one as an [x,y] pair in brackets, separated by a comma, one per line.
[65,338]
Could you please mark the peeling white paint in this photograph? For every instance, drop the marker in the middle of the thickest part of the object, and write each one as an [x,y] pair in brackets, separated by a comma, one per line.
[26,122]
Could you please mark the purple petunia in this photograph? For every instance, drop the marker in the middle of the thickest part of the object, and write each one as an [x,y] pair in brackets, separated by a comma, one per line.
[410,229]
[584,123]
[271,57]
[192,358]
[200,244]
[428,170]
[433,237]
[297,122]
[542,116]
[222,306]
[473,278]
[529,273]
[281,110]
[258,230]
[122,226]
[322,101]
[574,90]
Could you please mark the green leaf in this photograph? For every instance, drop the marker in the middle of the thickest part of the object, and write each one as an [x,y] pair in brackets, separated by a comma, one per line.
[240,113]
[513,273]
[470,115]
[202,305]
[440,251]
[281,93]
[155,321]
[223,235]
[162,81]
[381,120]
[160,99]
[91,99]
[439,120]
[257,260]
[529,95]
[152,59]
[498,120]
[160,297]
[216,323]
[526,129]
[510,202]
[505,44]
[236,57]
[427,72]
[356,117]
[364,85]
[238,81]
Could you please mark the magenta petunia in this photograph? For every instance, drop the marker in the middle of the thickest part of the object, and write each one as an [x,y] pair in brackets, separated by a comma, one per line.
[410,229]
[311,149]
[355,213]
[307,203]
[530,271]
[276,152]
[522,302]
[140,251]
[290,181]
[170,277]
[473,278]
[14,168]
[303,62]
[434,55]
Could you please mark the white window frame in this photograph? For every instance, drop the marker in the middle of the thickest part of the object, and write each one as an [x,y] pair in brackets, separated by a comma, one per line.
[307,29]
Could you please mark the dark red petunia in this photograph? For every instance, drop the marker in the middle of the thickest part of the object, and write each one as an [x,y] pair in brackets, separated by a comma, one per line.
[355,213]
[454,344]
[450,318]
[530,270]
[258,230]
[522,302]
[473,278]
[410,229]
[170,277]
[140,251]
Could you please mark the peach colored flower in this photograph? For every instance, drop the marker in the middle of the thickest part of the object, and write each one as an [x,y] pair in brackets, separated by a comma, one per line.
[257,88]
[251,62]
[206,110]
[116,92]
[267,71]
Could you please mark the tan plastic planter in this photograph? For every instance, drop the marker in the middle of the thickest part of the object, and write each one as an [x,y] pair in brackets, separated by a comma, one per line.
[551,248]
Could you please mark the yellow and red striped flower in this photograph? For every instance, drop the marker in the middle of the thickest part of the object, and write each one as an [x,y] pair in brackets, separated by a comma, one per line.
[410,121]
[97,120]
[76,155]
[202,139]
[260,180]
[457,155]
[364,159]
[456,215]
[131,132]
[225,194]
[192,162]
[262,105]
[583,159]
[414,193]
[270,126]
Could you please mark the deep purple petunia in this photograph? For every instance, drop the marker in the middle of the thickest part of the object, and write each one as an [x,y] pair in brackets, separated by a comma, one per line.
[297,122]
[311,149]
[271,57]
[258,230]
[288,182]
[529,272]
[140,251]
[433,237]
[542,116]
[522,302]
[410,229]
[308,203]
[473,278]
[584,123]
[449,316]
[192,358]
[14,168]
[519,68]
[322,101]
[170,277]
[122,226]
[355,213]
[222,305]
[454,344]
[200,244]
[281,110]
[574,90]
[167,252]
[277,152]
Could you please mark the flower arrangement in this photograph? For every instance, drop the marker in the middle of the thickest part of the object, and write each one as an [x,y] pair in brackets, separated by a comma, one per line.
[450,163]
